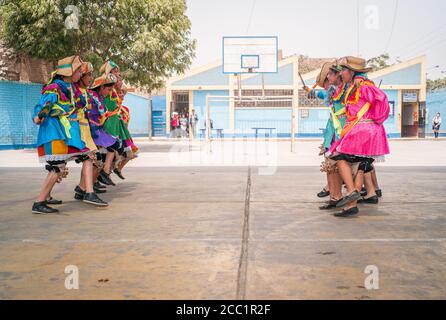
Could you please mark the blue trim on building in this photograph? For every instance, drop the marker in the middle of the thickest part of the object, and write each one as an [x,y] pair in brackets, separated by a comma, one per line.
[17,146]
[211,77]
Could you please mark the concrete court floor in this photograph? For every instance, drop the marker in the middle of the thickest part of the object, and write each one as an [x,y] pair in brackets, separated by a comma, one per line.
[224,233]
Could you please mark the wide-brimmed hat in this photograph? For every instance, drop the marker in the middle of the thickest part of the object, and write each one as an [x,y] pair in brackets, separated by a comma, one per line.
[87,67]
[124,89]
[354,63]
[322,76]
[67,66]
[103,80]
[108,66]
[336,67]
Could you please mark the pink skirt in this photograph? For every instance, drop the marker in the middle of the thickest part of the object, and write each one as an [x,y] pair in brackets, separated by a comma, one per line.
[364,139]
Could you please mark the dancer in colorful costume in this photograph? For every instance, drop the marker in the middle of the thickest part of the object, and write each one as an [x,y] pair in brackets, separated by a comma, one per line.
[333,93]
[89,167]
[109,145]
[363,138]
[59,138]
[115,124]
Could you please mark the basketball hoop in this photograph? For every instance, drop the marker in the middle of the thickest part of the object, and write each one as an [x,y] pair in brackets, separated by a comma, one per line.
[250,54]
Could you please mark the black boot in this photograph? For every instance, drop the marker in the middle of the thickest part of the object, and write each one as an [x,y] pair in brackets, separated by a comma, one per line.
[98,191]
[42,208]
[98,185]
[78,193]
[330,205]
[53,201]
[379,193]
[101,180]
[92,198]
[105,178]
[118,173]
[355,195]
[372,200]
[323,193]
[347,212]
[363,192]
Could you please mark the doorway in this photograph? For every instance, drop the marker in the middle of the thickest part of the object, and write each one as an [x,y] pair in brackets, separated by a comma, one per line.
[410,114]
[179,114]
[180,102]
[409,121]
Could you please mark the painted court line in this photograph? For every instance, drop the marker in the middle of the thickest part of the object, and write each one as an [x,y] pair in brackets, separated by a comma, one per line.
[235,240]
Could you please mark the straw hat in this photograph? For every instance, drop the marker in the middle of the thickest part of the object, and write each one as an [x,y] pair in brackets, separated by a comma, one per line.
[124,89]
[354,63]
[322,76]
[104,80]
[108,66]
[87,67]
[67,66]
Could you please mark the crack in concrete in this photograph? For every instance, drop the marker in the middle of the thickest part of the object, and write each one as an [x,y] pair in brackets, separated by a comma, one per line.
[243,263]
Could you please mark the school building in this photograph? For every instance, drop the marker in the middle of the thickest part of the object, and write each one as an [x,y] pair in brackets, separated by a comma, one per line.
[404,84]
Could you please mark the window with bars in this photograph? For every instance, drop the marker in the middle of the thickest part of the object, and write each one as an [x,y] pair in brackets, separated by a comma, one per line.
[304,101]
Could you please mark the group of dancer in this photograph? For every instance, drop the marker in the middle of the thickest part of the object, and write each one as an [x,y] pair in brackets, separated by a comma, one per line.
[354,137]
[82,119]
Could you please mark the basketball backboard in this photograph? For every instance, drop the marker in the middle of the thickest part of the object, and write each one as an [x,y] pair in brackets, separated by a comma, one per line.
[250,54]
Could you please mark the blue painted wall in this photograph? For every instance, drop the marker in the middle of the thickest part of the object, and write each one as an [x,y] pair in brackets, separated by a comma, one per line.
[17,101]
[139,112]
[210,77]
[391,124]
[219,109]
[247,119]
[159,116]
[436,102]
[283,77]
[407,76]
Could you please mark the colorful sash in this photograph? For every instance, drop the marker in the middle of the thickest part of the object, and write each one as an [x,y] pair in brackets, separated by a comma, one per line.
[353,120]
[336,123]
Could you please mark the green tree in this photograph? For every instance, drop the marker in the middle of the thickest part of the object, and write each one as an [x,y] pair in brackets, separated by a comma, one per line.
[437,84]
[379,62]
[149,39]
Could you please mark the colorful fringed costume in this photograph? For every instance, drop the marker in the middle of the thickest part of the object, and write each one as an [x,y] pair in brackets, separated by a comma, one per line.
[125,116]
[84,107]
[96,118]
[59,137]
[337,117]
[367,108]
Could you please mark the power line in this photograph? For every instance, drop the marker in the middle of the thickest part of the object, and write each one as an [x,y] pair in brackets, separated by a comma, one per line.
[425,37]
[417,52]
[393,26]
[250,16]
[432,38]
[357,27]
[427,46]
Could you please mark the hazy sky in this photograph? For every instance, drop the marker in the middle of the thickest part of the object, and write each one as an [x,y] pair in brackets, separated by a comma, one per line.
[326,28]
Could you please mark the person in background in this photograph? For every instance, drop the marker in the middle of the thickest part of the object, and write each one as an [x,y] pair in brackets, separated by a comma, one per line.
[174,124]
[436,123]
[183,125]
[193,120]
